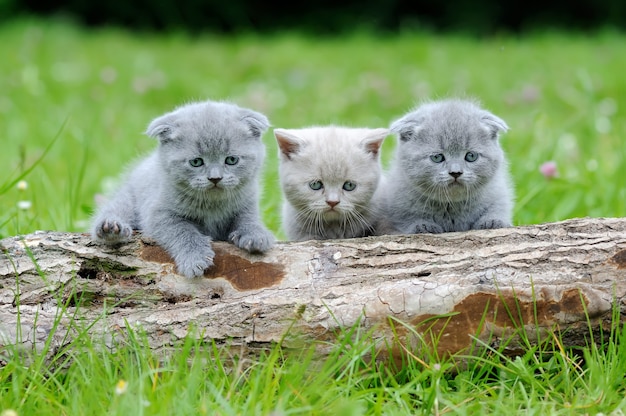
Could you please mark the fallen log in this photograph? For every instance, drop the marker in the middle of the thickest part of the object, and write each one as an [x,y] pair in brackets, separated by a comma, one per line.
[486,285]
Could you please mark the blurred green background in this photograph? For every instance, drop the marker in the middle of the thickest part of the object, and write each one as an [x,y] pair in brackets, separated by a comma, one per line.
[77,94]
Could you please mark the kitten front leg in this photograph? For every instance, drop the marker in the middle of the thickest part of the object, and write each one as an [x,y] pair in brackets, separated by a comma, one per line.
[191,250]
[496,216]
[490,224]
[113,223]
[193,263]
[252,238]
[250,234]
[112,230]
[425,226]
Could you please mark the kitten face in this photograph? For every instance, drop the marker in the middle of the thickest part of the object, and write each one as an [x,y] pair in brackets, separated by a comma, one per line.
[210,147]
[329,174]
[449,150]
[201,165]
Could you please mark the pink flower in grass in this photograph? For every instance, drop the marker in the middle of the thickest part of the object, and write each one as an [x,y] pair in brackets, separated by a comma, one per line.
[549,170]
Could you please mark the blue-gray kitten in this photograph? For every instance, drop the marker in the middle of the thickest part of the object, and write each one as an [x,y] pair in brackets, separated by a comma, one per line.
[449,173]
[200,184]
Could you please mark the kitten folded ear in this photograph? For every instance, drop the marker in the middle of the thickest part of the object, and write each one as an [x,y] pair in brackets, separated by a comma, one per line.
[494,123]
[372,142]
[161,128]
[406,127]
[288,143]
[257,122]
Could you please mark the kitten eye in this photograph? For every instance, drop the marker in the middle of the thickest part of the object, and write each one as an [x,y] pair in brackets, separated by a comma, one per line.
[438,158]
[197,162]
[316,185]
[231,160]
[349,186]
[471,156]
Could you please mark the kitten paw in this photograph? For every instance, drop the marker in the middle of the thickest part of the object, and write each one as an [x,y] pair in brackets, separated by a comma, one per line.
[113,231]
[490,224]
[257,241]
[194,264]
[426,227]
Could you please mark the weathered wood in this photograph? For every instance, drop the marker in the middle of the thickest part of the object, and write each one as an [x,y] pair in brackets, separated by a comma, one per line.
[568,276]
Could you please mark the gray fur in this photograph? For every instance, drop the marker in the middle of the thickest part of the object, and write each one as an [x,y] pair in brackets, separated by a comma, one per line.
[337,158]
[422,196]
[179,205]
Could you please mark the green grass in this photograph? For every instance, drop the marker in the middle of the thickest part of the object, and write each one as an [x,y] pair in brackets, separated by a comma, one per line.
[74,104]
[563,96]
[82,378]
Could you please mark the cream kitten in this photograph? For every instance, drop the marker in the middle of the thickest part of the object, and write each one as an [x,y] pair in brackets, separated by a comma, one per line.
[329,176]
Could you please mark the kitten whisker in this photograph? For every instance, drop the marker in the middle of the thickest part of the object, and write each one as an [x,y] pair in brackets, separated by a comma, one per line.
[309,220]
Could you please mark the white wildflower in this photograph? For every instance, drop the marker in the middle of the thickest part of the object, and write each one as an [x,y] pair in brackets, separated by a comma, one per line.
[121,387]
[24,205]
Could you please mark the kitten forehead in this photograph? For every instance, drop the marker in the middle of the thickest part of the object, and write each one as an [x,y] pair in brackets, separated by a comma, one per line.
[336,144]
[316,132]
[453,121]
[329,138]
[333,135]
[209,120]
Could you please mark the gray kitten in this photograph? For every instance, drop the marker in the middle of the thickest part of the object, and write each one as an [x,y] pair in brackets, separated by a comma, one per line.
[449,173]
[200,184]
[329,175]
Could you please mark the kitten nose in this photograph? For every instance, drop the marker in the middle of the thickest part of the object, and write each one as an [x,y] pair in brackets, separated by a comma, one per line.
[455,175]
[332,203]
[215,180]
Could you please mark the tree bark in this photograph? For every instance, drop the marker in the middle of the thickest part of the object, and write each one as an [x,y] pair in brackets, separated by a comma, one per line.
[504,288]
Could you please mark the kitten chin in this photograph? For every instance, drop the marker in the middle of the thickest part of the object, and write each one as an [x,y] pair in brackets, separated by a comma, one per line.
[329,176]
[449,172]
[332,214]
[455,192]
[334,217]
